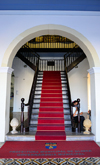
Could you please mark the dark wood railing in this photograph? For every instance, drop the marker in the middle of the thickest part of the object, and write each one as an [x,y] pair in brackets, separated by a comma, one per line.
[31,97]
[73,60]
[30,102]
[22,114]
[69,94]
[70,102]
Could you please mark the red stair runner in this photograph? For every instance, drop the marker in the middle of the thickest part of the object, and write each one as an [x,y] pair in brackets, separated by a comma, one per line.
[51,117]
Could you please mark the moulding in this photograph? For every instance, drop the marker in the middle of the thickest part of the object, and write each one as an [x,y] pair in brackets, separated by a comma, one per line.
[6,70]
[94,70]
[49,12]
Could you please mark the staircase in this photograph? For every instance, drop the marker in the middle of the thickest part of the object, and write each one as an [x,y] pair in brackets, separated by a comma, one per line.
[50,117]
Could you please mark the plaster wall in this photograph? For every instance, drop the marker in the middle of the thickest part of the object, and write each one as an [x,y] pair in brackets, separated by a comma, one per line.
[22,83]
[13,24]
[78,84]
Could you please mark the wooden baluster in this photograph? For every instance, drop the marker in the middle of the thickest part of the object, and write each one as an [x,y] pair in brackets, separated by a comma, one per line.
[22,115]
[78,115]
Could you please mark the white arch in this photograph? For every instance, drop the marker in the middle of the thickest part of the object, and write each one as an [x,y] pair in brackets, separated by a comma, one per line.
[52,30]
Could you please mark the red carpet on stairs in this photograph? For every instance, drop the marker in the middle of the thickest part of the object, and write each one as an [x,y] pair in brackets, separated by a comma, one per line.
[51,117]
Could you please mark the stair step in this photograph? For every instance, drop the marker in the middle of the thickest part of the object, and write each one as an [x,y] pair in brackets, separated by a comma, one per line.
[40,72]
[50,121]
[50,135]
[67,117]
[41,78]
[36,100]
[43,115]
[65,105]
[39,96]
[34,126]
[51,91]
[31,129]
[50,88]
[68,129]
[39,83]
[51,82]
[34,116]
[36,110]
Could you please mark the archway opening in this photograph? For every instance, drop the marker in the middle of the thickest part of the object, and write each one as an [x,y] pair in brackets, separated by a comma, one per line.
[44,30]
[49,47]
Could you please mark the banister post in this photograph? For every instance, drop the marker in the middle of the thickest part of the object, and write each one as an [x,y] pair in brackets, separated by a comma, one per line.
[78,115]
[22,114]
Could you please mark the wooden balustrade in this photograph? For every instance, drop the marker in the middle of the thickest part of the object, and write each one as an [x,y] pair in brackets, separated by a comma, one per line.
[22,114]
[51,64]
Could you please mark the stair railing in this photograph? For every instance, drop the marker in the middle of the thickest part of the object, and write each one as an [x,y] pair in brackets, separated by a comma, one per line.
[70,102]
[30,102]
[51,64]
[69,94]
[73,58]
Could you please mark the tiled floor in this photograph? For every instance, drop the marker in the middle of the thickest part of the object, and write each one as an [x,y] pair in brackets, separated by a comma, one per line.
[69,161]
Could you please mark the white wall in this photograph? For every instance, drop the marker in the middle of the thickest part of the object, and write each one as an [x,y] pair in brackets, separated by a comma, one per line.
[13,23]
[78,84]
[22,83]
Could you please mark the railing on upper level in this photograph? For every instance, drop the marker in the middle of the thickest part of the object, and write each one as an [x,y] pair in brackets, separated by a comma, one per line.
[51,64]
[73,58]
[31,56]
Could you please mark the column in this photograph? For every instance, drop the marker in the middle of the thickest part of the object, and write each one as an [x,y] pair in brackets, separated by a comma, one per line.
[95,101]
[5,84]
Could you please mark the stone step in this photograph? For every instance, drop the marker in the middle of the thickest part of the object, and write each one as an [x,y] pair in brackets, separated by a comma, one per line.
[40,81]
[35,116]
[39,96]
[36,105]
[36,110]
[30,136]
[39,92]
[32,128]
[41,78]
[37,100]
[40,88]
[35,121]
[67,117]
[40,85]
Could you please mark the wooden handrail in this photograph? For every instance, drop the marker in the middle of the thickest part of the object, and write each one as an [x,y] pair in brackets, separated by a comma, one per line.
[31,97]
[70,102]
[30,102]
[69,94]
[22,114]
